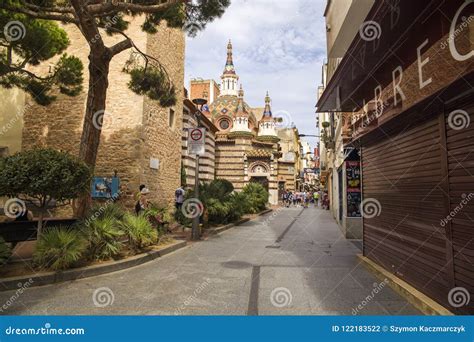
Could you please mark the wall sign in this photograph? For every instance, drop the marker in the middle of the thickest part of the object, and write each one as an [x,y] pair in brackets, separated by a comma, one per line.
[353,188]
[196,141]
[105,187]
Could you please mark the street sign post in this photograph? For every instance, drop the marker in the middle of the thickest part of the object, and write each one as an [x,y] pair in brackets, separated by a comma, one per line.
[197,147]
[196,141]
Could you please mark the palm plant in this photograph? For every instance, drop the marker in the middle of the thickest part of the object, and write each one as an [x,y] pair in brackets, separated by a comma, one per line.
[113,210]
[139,231]
[256,197]
[59,248]
[103,236]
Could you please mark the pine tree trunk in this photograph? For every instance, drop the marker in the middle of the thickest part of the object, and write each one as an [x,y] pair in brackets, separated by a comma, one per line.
[96,99]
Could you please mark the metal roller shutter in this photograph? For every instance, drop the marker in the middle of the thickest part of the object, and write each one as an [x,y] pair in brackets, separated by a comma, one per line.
[460,163]
[402,175]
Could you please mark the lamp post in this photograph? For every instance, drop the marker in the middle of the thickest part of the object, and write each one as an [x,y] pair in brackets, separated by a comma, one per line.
[195,232]
[308,136]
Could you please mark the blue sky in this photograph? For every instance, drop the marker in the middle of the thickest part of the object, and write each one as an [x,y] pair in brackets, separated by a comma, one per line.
[279,46]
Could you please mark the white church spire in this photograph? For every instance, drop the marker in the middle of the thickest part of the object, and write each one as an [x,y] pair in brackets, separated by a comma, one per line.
[229,85]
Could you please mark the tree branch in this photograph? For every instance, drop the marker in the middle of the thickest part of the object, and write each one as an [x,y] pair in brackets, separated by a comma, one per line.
[37,15]
[88,25]
[99,9]
[121,46]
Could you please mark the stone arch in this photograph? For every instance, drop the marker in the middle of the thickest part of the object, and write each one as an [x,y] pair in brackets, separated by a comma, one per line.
[259,167]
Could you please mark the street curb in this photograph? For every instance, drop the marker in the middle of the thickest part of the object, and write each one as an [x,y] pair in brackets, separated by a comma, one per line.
[47,278]
[419,300]
[215,231]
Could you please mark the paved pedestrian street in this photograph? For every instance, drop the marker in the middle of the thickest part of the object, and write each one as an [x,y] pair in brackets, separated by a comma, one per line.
[292,262]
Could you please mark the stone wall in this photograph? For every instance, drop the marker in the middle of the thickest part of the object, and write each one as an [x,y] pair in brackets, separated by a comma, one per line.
[134,129]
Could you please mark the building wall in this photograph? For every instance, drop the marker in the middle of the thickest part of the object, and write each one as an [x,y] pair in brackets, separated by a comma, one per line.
[135,129]
[230,159]
[286,173]
[199,87]
[206,162]
[343,19]
[11,120]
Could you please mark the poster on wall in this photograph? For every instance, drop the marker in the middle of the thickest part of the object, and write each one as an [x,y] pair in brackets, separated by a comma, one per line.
[105,187]
[353,188]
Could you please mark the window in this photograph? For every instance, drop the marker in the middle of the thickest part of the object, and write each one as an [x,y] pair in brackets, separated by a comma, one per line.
[224,124]
[171,118]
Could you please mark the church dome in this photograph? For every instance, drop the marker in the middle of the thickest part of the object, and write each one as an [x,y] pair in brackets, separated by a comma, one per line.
[225,106]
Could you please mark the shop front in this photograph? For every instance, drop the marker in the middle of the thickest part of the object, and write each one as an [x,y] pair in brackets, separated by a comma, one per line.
[411,94]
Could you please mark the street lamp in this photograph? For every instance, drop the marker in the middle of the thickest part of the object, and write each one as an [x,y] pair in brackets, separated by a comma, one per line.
[195,234]
[308,136]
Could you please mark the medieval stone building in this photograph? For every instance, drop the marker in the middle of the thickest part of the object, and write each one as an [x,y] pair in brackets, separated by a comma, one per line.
[247,144]
[140,139]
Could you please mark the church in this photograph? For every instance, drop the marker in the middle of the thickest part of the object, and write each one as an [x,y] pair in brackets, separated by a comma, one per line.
[247,143]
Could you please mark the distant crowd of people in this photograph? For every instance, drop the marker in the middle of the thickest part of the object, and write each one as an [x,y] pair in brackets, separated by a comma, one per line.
[305,198]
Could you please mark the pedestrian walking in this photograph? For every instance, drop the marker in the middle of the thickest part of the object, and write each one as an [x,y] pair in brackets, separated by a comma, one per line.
[316,198]
[142,203]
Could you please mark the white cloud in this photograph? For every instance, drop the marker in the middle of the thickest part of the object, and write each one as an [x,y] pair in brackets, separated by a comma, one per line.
[279,46]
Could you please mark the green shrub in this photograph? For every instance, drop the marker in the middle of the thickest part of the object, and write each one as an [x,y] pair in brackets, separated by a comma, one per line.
[139,231]
[5,251]
[44,175]
[103,237]
[111,210]
[256,198]
[238,206]
[59,248]
[159,217]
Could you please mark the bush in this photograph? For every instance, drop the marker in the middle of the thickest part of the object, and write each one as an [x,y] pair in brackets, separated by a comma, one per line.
[4,251]
[59,248]
[256,198]
[159,217]
[43,175]
[139,231]
[111,210]
[103,237]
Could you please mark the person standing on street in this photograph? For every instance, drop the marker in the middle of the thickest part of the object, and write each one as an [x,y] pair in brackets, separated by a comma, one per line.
[142,203]
[179,198]
[316,198]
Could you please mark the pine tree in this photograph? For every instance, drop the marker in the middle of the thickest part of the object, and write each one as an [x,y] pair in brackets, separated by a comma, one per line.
[36,22]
